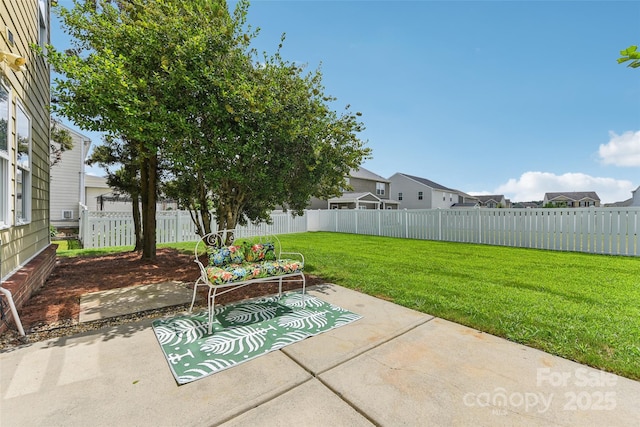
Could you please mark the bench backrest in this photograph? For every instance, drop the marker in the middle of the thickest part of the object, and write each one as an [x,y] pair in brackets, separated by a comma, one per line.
[224,247]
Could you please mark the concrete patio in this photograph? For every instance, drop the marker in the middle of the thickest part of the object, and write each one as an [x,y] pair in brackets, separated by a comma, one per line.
[393,367]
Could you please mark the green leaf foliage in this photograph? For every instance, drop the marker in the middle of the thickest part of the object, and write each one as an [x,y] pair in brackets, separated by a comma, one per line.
[199,110]
[630,54]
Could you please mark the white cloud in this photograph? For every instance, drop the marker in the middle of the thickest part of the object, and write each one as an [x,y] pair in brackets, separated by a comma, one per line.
[533,185]
[621,150]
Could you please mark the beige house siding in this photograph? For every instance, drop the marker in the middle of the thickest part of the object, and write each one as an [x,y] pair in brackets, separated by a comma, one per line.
[96,186]
[635,198]
[415,194]
[407,190]
[29,89]
[367,186]
[68,181]
[362,180]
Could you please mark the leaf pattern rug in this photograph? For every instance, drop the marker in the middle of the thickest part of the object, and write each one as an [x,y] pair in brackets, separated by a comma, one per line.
[243,331]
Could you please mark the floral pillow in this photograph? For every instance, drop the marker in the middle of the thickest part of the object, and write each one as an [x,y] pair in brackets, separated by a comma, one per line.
[226,255]
[259,252]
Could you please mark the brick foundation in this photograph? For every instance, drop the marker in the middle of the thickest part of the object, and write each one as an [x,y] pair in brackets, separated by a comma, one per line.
[23,283]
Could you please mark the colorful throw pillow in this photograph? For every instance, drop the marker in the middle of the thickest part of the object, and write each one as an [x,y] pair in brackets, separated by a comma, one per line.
[269,252]
[218,256]
[255,252]
[226,255]
[236,254]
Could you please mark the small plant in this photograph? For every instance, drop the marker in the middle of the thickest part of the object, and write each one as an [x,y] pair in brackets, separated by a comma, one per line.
[53,232]
[73,244]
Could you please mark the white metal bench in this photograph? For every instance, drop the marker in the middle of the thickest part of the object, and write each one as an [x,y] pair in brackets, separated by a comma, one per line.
[233,262]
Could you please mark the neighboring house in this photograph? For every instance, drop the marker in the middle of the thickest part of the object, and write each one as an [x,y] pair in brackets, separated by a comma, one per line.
[355,201]
[102,198]
[527,205]
[369,191]
[575,199]
[68,183]
[465,205]
[26,254]
[94,188]
[467,199]
[634,201]
[419,193]
[493,201]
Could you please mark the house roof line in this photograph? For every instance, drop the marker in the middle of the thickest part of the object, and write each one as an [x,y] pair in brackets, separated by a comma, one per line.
[428,183]
[573,195]
[363,173]
[352,197]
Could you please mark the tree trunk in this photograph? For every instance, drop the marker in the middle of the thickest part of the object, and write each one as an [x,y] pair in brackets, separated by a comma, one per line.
[137,224]
[148,181]
[205,213]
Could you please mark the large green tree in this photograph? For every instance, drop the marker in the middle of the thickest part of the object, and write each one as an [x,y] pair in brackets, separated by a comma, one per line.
[177,80]
[117,78]
[264,138]
[114,152]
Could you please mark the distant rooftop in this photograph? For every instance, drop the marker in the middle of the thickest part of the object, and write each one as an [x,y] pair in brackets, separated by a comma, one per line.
[429,183]
[363,173]
[573,195]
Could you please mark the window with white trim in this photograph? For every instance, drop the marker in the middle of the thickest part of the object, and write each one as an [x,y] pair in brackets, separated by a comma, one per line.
[400,196]
[4,155]
[23,166]
[380,188]
[419,195]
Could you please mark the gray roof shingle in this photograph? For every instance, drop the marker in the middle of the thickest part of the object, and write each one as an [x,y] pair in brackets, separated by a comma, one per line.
[429,183]
[573,195]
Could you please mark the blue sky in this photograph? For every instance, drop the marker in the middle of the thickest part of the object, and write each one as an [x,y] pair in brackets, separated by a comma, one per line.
[496,97]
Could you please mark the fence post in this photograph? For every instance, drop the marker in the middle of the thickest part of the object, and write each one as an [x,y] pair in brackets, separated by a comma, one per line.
[178,227]
[84,227]
[355,213]
[479,225]
[406,224]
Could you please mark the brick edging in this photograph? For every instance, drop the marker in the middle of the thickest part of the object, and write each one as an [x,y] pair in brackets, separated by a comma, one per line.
[27,280]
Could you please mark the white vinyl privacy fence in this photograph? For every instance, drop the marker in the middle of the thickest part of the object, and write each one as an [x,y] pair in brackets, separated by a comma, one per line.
[613,231]
[104,229]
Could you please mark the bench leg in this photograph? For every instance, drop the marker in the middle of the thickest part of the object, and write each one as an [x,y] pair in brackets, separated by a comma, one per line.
[195,289]
[211,302]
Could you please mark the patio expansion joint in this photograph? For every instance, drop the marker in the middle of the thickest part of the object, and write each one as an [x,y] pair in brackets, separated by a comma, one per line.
[317,375]
[260,402]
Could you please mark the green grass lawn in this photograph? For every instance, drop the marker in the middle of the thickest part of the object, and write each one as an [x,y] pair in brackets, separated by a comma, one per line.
[582,307]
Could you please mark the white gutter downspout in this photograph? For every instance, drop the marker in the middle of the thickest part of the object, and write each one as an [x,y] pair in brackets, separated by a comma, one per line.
[82,190]
[7,293]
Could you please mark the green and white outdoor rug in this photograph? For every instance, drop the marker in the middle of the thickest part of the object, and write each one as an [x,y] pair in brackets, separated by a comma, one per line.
[243,331]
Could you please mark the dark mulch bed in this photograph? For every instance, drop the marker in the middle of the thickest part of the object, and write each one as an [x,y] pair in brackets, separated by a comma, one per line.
[54,310]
